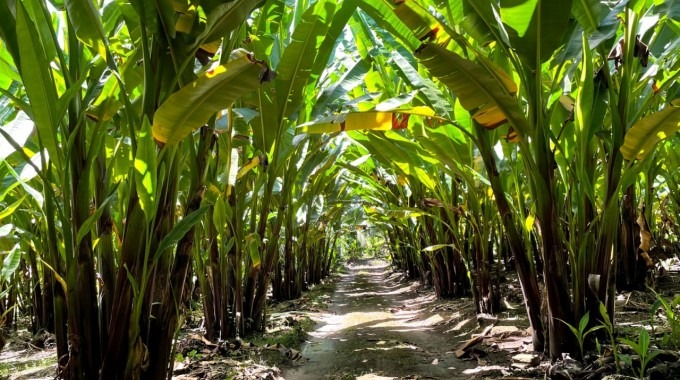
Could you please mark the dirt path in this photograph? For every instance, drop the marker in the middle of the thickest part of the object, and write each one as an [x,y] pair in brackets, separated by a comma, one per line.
[380,328]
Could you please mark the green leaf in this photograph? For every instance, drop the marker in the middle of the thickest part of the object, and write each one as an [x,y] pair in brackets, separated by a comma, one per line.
[643,136]
[11,262]
[269,21]
[91,220]
[605,315]
[8,71]
[652,354]
[584,322]
[593,329]
[37,79]
[421,23]
[9,210]
[338,24]
[225,18]
[43,23]
[145,169]
[133,282]
[535,27]
[634,345]
[253,244]
[384,14]
[179,230]
[608,26]
[8,31]
[87,24]
[432,94]
[437,247]
[19,130]
[448,144]
[298,58]
[573,329]
[626,359]
[657,304]
[643,341]
[26,172]
[476,18]
[403,155]
[584,101]
[147,14]
[486,91]
[589,13]
[219,214]
[265,124]
[351,78]
[193,105]
[65,100]
[151,11]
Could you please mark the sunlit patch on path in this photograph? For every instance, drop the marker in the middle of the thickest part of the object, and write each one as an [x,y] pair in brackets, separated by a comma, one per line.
[379,327]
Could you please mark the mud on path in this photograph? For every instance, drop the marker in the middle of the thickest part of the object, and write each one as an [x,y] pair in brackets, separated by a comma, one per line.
[380,327]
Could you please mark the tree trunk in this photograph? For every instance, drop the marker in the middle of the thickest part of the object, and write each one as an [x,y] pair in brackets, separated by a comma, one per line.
[628,274]
[525,270]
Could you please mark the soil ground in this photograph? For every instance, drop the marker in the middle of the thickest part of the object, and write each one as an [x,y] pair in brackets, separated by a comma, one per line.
[369,322]
[379,326]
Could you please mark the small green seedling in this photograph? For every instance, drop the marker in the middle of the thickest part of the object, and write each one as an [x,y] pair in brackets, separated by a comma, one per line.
[671,340]
[607,325]
[641,347]
[194,355]
[581,333]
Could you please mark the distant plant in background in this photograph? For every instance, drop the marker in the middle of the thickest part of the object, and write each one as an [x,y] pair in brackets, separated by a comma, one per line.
[671,339]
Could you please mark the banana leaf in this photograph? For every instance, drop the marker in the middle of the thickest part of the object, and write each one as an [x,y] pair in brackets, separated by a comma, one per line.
[370,120]
[38,82]
[535,27]
[298,58]
[643,136]
[382,12]
[153,11]
[224,18]
[18,130]
[486,91]
[193,105]
[87,24]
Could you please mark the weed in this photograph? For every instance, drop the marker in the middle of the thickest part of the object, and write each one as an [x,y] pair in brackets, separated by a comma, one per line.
[292,337]
[194,355]
[672,339]
[641,347]
[607,325]
[581,333]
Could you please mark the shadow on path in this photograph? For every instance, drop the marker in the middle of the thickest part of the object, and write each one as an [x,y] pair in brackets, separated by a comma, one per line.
[379,328]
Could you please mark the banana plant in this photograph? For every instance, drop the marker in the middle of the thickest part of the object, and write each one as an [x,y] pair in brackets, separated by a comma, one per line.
[483,76]
[84,91]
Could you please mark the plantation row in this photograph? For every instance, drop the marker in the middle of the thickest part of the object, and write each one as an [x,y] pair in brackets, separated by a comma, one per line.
[155,150]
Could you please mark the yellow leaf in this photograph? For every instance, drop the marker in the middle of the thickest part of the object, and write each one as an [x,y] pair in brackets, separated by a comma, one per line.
[647,132]
[370,120]
[529,222]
